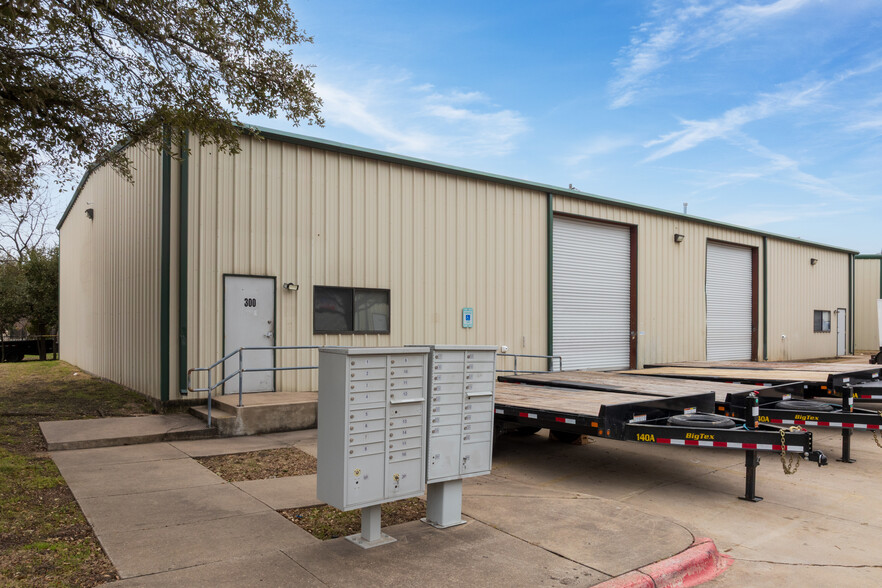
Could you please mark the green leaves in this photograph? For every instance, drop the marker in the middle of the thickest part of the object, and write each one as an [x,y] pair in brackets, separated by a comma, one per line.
[79,76]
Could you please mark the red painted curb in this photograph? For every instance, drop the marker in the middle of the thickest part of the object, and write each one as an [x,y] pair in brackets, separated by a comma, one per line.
[693,566]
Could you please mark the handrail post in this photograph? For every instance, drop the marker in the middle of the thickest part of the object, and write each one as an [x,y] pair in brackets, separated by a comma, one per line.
[240,377]
[209,398]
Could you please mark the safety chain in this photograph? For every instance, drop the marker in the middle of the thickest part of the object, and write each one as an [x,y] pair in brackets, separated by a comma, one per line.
[788,466]
[875,438]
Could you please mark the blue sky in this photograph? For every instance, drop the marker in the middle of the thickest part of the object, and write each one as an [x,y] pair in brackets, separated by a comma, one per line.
[762,113]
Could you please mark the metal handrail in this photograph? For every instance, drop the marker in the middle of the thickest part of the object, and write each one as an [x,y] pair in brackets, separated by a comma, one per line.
[242,370]
[517,355]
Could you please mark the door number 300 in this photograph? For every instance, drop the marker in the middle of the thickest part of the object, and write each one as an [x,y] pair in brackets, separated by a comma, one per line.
[250,302]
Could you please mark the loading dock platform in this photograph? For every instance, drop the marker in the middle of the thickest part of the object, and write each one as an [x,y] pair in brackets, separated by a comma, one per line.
[686,419]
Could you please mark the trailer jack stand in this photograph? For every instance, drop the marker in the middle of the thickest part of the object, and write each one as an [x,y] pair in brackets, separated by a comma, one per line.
[751,460]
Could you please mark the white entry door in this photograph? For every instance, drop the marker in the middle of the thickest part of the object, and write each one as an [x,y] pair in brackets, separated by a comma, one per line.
[840,331]
[249,321]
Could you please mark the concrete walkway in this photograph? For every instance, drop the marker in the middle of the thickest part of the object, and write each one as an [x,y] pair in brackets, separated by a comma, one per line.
[165,520]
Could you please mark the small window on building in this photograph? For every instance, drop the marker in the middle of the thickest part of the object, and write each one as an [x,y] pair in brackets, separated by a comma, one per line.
[822,321]
[350,310]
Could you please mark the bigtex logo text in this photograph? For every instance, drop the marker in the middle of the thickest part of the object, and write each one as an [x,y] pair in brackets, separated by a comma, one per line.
[700,436]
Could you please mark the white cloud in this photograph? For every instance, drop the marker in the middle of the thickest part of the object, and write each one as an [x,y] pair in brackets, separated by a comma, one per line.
[419,119]
[680,32]
[598,146]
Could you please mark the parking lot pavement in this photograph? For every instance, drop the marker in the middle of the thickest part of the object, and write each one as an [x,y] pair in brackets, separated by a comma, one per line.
[820,526]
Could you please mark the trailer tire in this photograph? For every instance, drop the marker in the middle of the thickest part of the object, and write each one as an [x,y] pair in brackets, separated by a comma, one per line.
[565,437]
[702,420]
[526,431]
[805,405]
[14,355]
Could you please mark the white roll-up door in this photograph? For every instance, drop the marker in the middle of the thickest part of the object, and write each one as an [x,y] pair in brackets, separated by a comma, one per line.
[591,306]
[729,294]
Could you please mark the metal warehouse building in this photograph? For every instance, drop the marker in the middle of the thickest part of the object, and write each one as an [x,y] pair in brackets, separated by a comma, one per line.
[867,290]
[297,241]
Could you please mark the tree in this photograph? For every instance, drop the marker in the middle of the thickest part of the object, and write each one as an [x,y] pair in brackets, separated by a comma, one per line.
[79,76]
[40,269]
[12,299]
[24,225]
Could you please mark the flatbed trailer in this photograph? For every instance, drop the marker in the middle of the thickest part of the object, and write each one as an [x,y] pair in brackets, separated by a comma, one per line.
[645,418]
[731,400]
[862,385]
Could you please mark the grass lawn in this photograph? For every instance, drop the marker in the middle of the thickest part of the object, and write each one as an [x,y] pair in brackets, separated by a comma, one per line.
[44,537]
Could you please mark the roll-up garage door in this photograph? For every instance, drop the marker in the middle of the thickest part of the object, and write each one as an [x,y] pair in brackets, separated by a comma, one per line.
[591,294]
[729,290]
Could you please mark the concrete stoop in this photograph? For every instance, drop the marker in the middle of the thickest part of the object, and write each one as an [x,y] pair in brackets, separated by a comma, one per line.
[266,412]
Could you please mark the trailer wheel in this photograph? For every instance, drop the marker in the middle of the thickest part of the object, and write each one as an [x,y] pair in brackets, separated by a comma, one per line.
[806,405]
[526,431]
[706,421]
[14,355]
[565,437]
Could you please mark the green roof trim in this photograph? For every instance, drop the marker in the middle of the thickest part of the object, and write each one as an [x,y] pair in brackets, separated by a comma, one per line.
[868,256]
[306,141]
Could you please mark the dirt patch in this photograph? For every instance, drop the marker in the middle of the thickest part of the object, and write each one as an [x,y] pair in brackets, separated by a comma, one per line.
[44,538]
[261,465]
[326,522]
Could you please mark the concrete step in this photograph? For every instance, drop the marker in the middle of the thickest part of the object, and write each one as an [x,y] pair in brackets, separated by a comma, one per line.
[266,412]
[114,431]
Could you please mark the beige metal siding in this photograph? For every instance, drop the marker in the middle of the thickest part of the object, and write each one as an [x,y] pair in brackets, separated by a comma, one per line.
[671,316]
[867,291]
[438,242]
[109,308]
[796,290]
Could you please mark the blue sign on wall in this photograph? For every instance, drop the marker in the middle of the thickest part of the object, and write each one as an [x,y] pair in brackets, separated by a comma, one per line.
[468,318]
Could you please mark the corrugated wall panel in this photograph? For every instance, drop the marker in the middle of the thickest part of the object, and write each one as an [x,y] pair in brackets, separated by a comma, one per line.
[438,242]
[796,289]
[109,309]
[867,290]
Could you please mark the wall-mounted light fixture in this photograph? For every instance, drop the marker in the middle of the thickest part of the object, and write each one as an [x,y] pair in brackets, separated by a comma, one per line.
[291,286]
[678,238]
[813,261]
[90,212]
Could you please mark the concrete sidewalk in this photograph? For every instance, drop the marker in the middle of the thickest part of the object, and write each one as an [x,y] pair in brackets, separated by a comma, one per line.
[165,520]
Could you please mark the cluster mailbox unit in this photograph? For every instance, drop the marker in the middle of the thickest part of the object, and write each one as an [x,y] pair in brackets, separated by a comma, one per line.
[460,439]
[371,430]
[387,416]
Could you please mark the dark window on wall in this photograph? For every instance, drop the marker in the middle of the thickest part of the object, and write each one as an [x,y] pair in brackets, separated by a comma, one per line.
[350,310]
[822,321]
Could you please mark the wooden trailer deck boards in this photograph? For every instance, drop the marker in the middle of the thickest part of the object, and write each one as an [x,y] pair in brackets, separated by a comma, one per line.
[568,400]
[635,384]
[829,368]
[770,376]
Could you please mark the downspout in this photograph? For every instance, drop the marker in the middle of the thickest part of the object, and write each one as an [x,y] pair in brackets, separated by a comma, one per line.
[549,277]
[851,304]
[165,267]
[183,230]
[765,299]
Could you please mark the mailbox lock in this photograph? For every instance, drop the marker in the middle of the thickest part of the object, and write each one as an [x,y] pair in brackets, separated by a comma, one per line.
[392,361]
[357,471]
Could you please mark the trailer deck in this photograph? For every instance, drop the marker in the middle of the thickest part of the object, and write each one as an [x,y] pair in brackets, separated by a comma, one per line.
[647,418]
[629,383]
[825,367]
[863,385]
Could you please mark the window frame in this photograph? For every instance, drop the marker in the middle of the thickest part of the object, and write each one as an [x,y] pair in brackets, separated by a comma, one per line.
[820,314]
[353,292]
